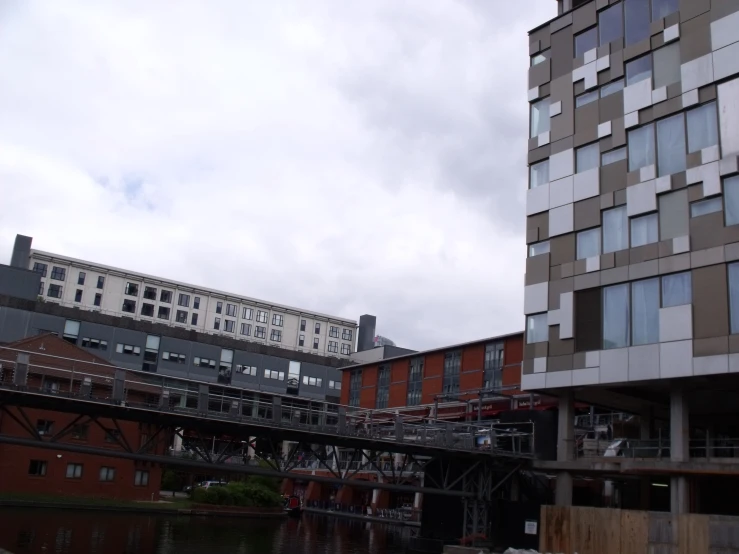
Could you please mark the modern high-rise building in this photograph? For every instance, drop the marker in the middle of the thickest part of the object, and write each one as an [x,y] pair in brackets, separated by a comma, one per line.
[121,292]
[632,276]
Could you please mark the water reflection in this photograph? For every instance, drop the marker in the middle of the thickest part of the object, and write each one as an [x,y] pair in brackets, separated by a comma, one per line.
[27,531]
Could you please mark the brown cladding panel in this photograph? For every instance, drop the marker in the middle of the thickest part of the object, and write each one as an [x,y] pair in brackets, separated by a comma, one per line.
[695,37]
[586,123]
[706,231]
[562,52]
[611,107]
[540,74]
[588,320]
[613,176]
[710,302]
[562,249]
[722,8]
[558,287]
[557,346]
[587,213]
[563,125]
[584,17]
[537,269]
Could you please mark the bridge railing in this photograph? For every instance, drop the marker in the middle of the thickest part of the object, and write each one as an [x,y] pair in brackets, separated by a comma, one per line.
[57,376]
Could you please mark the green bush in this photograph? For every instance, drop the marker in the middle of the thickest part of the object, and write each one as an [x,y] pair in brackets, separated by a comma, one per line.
[238,494]
[171,481]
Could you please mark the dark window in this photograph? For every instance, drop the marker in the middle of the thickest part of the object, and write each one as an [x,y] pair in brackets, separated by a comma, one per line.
[637,20]
[229,325]
[585,41]
[132,289]
[318,328]
[246,313]
[260,332]
[277,320]
[101,282]
[196,303]
[74,471]
[37,468]
[166,296]
[452,365]
[81,278]
[98,299]
[493,366]
[346,349]
[301,340]
[107,473]
[59,273]
[231,310]
[41,288]
[275,335]
[262,316]
[128,349]
[638,70]
[184,300]
[355,386]
[610,24]
[147,309]
[383,386]
[333,332]
[217,323]
[55,291]
[346,334]
[78,295]
[194,319]
[141,478]
[219,307]
[163,312]
[181,316]
[79,431]
[95,344]
[150,293]
[588,320]
[415,380]
[333,346]
[174,357]
[40,268]
[246,329]
[302,325]
[204,362]
[112,436]
[315,343]
[129,306]
[44,426]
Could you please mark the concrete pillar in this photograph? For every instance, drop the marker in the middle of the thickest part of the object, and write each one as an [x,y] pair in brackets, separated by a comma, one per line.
[177,445]
[566,428]
[250,448]
[563,491]
[679,495]
[418,501]
[679,449]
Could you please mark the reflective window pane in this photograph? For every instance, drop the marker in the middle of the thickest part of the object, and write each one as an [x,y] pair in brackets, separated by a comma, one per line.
[588,157]
[613,156]
[641,147]
[731,200]
[612,87]
[702,127]
[663,8]
[540,57]
[645,311]
[539,117]
[636,15]
[586,98]
[537,328]
[539,174]
[610,24]
[638,70]
[616,316]
[704,207]
[615,230]
[671,145]
[644,230]
[539,248]
[588,243]
[667,65]
[587,40]
[734,296]
[676,289]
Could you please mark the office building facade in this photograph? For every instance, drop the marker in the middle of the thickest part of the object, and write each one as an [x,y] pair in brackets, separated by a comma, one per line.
[633,201]
[123,293]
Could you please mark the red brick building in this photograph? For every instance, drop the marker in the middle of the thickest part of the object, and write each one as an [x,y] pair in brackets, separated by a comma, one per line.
[43,471]
[459,371]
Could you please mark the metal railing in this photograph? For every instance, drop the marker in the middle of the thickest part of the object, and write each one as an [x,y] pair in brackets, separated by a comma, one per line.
[720,447]
[53,376]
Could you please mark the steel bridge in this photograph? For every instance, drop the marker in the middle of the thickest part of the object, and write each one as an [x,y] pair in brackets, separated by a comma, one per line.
[471,460]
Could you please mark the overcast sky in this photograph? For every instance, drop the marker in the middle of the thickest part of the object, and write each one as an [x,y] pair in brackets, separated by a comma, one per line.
[343,156]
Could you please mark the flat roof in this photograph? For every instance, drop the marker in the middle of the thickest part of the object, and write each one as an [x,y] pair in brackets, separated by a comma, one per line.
[433,350]
[178,284]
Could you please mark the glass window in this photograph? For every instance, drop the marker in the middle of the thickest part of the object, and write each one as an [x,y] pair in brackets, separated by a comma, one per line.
[731,200]
[588,243]
[638,70]
[704,207]
[540,57]
[615,230]
[616,316]
[537,329]
[641,147]
[671,145]
[539,248]
[644,230]
[734,296]
[663,8]
[588,157]
[611,88]
[539,174]
[587,40]
[667,65]
[586,98]
[613,156]
[610,24]
[636,15]
[702,127]
[676,289]
[539,117]
[645,311]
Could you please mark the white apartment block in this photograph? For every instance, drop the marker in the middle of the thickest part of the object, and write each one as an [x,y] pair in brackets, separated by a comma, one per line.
[120,292]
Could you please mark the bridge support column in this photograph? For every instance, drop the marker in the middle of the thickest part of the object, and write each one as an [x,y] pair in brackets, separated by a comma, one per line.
[177,444]
[288,486]
[679,449]
[380,498]
[565,447]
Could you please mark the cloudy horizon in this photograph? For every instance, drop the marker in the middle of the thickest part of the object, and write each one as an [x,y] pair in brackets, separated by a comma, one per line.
[341,157]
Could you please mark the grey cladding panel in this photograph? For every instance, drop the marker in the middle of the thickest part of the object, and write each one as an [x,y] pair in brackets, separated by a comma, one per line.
[42,323]
[19,282]
[14,324]
[562,52]
[271,362]
[96,331]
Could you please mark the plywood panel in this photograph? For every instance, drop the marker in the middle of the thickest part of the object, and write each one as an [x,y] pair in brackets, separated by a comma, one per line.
[606,531]
[634,532]
[555,533]
[693,534]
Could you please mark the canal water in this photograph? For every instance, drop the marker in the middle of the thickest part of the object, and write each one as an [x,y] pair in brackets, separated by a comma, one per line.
[41,531]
